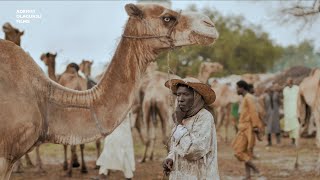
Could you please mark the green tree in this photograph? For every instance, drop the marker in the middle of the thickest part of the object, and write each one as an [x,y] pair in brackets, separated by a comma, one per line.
[240,49]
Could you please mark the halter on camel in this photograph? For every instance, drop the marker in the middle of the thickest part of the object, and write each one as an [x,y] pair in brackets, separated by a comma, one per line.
[167,36]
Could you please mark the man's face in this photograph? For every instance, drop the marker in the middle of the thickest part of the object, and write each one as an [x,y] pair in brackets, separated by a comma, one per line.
[239,90]
[185,98]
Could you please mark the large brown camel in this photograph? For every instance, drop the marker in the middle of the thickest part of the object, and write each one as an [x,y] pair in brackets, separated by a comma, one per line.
[12,34]
[310,95]
[207,68]
[33,107]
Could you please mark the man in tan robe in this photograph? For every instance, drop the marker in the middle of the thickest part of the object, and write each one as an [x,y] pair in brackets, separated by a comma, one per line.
[249,126]
[193,152]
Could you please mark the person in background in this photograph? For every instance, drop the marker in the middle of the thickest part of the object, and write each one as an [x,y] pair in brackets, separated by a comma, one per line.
[249,127]
[290,109]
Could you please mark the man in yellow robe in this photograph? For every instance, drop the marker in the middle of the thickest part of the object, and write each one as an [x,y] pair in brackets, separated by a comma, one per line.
[249,126]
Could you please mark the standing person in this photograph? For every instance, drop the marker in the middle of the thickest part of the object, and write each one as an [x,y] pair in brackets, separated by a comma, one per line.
[249,126]
[272,118]
[118,152]
[193,151]
[290,107]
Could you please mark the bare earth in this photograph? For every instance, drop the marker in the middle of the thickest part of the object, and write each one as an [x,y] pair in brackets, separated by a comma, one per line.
[276,162]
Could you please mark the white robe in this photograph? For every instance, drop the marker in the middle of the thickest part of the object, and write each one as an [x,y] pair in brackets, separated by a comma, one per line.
[194,153]
[290,107]
[118,153]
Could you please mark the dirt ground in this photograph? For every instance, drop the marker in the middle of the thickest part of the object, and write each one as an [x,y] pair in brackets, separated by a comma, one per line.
[276,162]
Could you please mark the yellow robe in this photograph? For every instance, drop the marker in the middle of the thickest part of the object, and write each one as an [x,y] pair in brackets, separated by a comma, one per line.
[245,139]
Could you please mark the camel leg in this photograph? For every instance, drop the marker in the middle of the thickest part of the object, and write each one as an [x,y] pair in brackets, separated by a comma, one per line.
[28,161]
[152,142]
[98,147]
[83,163]
[17,168]
[317,121]
[146,118]
[39,162]
[74,157]
[163,114]
[65,163]
[227,121]
[5,168]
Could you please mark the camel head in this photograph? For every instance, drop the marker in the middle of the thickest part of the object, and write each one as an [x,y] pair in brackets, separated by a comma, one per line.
[209,67]
[163,28]
[12,34]
[48,58]
[85,67]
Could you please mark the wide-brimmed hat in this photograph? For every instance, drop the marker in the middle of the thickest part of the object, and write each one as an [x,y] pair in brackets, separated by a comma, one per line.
[204,90]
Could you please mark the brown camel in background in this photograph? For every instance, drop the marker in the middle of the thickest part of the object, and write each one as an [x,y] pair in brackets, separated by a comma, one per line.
[85,68]
[46,108]
[70,78]
[310,95]
[207,68]
[157,102]
[222,105]
[12,34]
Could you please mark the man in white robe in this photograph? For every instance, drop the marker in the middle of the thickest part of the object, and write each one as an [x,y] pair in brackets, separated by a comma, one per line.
[118,152]
[290,107]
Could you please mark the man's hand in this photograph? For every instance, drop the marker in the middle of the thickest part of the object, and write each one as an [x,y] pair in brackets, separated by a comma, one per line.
[167,166]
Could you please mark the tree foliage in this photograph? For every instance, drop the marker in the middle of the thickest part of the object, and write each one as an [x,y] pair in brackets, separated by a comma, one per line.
[240,49]
[302,54]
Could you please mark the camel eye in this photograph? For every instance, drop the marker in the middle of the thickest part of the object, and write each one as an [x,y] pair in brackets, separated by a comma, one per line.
[167,19]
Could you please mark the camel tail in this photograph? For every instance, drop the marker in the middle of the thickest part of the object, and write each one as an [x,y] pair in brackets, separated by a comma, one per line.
[153,112]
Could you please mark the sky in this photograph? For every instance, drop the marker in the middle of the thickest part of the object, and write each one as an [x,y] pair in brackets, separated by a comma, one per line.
[79,30]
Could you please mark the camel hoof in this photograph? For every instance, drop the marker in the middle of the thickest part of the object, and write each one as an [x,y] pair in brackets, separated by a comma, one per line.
[296,165]
[68,174]
[75,164]
[65,166]
[96,167]
[84,170]
[142,160]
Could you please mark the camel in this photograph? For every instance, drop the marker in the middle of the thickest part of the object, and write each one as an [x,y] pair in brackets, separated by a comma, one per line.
[85,68]
[157,100]
[207,68]
[226,95]
[71,79]
[12,34]
[33,108]
[310,95]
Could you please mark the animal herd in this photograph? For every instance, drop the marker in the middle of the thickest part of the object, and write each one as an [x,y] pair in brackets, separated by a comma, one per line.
[70,109]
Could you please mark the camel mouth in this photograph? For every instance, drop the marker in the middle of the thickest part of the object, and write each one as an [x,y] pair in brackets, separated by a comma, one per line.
[203,39]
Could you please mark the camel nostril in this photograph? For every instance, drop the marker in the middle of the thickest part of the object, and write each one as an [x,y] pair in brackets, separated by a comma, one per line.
[209,24]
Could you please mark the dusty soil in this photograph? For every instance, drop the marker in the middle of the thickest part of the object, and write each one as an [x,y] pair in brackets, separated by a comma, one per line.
[276,162]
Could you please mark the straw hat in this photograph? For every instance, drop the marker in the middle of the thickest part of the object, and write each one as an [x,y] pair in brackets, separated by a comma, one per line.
[204,90]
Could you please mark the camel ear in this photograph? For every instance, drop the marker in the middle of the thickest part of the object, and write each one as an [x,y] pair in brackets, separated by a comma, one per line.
[21,33]
[55,55]
[133,10]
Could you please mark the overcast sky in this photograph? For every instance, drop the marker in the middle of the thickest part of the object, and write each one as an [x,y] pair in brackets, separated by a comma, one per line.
[79,30]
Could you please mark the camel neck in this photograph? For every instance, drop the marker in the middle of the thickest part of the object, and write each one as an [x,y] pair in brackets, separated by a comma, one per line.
[100,110]
[52,71]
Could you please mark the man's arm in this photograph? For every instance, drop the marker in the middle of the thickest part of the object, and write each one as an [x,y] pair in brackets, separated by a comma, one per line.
[195,144]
